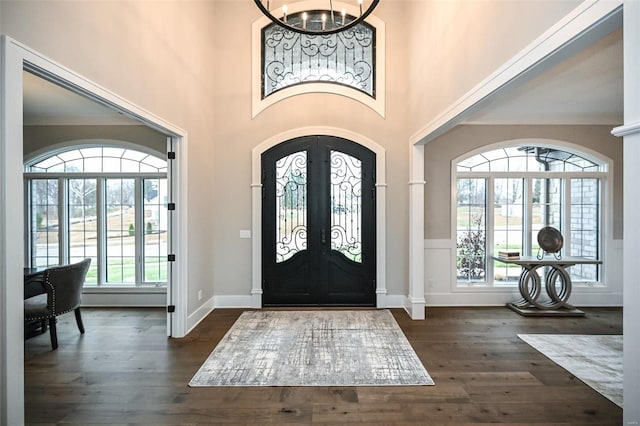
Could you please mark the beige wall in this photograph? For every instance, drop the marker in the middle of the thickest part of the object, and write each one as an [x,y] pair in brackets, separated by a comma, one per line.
[240,134]
[440,152]
[461,42]
[156,54]
[188,63]
[38,139]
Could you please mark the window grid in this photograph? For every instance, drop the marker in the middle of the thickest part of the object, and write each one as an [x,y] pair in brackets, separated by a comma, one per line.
[79,213]
[527,198]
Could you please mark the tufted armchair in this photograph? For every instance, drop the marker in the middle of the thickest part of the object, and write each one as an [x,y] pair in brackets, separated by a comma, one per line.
[63,287]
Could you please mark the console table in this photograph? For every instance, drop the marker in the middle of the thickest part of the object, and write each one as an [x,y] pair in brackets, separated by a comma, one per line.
[530,285]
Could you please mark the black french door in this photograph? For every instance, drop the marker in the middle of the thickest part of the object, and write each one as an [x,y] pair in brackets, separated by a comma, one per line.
[318,223]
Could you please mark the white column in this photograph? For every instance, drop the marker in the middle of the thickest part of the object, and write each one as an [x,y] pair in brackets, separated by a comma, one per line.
[11,241]
[631,246]
[256,243]
[415,302]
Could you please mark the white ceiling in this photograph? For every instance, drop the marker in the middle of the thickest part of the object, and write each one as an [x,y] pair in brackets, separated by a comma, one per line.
[46,103]
[584,89]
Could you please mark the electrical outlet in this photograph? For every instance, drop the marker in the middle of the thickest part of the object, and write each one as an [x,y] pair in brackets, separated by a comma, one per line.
[199,294]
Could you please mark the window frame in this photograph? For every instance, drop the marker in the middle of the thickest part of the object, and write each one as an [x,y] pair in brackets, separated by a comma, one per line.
[258,104]
[605,208]
[63,179]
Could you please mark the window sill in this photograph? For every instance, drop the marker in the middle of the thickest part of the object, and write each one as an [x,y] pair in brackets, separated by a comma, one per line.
[124,290]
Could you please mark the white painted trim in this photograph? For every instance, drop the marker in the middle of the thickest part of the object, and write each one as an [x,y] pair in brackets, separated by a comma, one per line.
[15,58]
[242,301]
[199,314]
[591,299]
[588,22]
[11,239]
[377,104]
[440,244]
[627,129]
[414,302]
[631,242]
[256,204]
[233,301]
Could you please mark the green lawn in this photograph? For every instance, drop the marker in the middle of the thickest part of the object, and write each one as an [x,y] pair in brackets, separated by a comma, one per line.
[122,271]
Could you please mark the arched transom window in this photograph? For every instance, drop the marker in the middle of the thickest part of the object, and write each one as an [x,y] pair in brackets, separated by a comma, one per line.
[105,203]
[505,196]
[290,58]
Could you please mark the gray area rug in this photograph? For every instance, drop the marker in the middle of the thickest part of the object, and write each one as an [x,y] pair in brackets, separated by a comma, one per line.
[313,348]
[596,360]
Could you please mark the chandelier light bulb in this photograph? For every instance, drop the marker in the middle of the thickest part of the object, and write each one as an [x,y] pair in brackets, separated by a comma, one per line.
[317,18]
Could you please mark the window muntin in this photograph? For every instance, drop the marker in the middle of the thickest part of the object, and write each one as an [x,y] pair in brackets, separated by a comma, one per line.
[346,58]
[525,200]
[82,213]
[154,193]
[527,159]
[86,211]
[44,223]
[471,263]
[99,160]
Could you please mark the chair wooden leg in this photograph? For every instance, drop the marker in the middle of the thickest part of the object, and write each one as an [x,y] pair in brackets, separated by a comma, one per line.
[43,325]
[53,333]
[79,320]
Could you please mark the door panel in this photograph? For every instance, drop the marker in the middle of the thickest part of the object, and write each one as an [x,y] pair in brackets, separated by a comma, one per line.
[318,225]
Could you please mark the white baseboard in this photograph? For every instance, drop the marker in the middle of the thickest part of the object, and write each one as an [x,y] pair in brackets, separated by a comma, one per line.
[586,299]
[244,301]
[233,301]
[199,314]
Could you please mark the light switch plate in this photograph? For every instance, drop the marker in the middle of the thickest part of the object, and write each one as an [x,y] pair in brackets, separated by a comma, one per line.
[245,233]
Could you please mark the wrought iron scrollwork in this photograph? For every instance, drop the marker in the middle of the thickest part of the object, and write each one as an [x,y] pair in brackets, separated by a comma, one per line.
[346,205]
[290,58]
[291,205]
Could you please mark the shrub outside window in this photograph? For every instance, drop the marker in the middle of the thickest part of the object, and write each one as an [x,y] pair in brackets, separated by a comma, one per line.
[505,196]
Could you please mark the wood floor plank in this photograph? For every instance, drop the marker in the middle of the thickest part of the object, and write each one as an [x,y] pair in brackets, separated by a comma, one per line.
[124,370]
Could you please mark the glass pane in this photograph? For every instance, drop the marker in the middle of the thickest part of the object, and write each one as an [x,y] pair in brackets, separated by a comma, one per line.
[584,227]
[291,205]
[345,58]
[83,229]
[44,223]
[471,230]
[154,192]
[508,210]
[546,208]
[120,224]
[346,205]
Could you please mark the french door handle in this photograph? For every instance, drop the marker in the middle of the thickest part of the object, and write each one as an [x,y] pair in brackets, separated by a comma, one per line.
[323,237]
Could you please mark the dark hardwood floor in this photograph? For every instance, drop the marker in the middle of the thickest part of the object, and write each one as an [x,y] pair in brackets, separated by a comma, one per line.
[124,370]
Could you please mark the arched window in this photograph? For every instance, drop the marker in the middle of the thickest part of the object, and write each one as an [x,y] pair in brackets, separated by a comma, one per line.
[350,63]
[505,196]
[106,203]
[346,58]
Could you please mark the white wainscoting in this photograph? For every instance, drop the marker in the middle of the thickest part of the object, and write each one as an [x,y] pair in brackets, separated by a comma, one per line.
[124,298]
[441,289]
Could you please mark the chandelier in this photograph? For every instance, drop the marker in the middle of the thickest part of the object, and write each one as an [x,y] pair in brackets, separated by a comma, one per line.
[324,18]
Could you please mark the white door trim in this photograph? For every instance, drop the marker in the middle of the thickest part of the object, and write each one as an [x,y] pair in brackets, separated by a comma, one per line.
[17,57]
[256,205]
